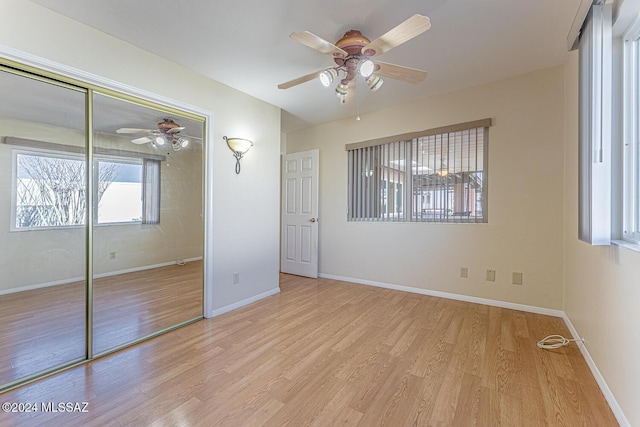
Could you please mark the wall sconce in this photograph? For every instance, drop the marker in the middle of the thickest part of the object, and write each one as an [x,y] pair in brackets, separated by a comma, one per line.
[239,146]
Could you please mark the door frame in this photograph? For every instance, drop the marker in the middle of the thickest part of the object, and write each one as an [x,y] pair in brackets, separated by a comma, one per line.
[312,217]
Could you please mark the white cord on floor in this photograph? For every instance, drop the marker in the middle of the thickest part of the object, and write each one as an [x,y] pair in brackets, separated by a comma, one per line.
[554,341]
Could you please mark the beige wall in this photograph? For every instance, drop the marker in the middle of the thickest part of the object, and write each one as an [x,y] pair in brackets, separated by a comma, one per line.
[524,233]
[602,283]
[241,244]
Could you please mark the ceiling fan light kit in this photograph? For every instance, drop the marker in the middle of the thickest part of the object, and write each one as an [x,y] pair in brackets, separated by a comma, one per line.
[179,144]
[374,82]
[353,55]
[366,67]
[341,91]
[327,76]
[167,133]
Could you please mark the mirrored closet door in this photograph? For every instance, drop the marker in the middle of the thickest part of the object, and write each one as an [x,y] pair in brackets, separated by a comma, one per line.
[148,228]
[101,222]
[42,225]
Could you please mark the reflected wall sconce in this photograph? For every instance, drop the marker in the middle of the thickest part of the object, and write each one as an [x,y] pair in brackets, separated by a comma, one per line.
[239,146]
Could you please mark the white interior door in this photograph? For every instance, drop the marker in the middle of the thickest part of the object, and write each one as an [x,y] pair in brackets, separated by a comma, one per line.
[300,214]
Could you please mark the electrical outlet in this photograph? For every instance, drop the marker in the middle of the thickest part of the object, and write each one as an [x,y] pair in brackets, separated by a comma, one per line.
[464,272]
[516,278]
[112,255]
[491,276]
[236,278]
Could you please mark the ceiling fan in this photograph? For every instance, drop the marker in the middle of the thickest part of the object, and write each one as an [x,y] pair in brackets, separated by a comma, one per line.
[353,55]
[168,132]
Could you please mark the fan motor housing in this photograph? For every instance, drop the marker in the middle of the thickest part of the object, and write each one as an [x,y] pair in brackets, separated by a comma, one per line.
[352,42]
[167,124]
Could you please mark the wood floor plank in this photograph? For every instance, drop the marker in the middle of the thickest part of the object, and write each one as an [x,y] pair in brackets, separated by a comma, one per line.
[468,404]
[338,412]
[329,353]
[41,328]
[489,408]
[444,409]
[511,413]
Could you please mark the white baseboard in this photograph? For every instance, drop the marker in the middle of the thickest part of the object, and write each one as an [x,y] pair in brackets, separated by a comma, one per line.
[97,276]
[40,285]
[144,267]
[613,403]
[447,295]
[227,308]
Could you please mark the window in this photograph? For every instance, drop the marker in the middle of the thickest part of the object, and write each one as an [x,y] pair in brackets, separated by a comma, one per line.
[50,190]
[631,221]
[437,175]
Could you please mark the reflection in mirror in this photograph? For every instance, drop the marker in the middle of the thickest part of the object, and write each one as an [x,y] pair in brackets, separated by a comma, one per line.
[148,234]
[42,226]
[146,246]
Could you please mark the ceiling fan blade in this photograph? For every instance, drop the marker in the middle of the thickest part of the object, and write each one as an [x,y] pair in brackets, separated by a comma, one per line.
[176,129]
[299,80]
[397,72]
[318,43]
[404,32]
[142,140]
[133,130]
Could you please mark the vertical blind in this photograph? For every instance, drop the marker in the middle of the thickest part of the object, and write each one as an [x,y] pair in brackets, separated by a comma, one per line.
[151,191]
[594,148]
[631,150]
[437,175]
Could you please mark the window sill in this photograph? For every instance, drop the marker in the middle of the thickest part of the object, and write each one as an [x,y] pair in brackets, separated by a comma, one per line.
[627,244]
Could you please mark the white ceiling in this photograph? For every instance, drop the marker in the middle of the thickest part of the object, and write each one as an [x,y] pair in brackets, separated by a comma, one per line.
[35,101]
[245,43]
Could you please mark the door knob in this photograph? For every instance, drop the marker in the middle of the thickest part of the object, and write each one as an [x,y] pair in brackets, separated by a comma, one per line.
[313,220]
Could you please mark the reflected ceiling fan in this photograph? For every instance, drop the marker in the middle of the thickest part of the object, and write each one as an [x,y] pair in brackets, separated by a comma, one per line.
[353,55]
[168,133]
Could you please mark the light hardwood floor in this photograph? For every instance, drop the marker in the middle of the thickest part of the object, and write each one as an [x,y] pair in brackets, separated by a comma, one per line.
[329,353]
[45,327]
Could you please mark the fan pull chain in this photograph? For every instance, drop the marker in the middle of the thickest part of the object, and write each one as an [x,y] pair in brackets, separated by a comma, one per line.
[357,103]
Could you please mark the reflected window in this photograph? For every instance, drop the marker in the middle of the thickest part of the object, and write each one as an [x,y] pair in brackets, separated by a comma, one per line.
[119,191]
[50,190]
